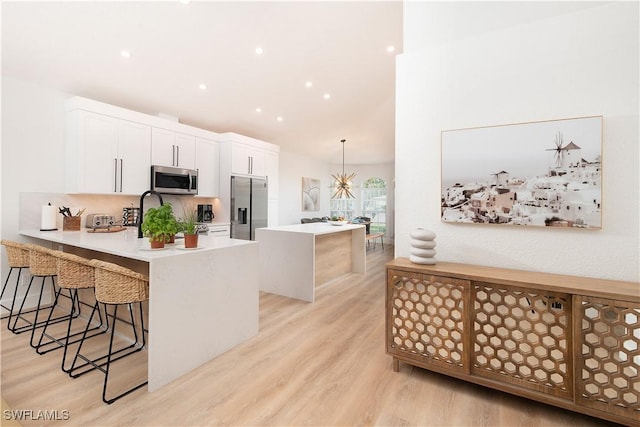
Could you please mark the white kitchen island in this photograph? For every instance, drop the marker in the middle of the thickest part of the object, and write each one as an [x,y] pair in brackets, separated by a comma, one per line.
[202,302]
[295,259]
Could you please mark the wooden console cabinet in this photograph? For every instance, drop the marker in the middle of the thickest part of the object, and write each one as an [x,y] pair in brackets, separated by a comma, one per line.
[568,341]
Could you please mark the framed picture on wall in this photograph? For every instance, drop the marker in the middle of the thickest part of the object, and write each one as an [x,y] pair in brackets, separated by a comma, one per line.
[546,173]
[310,194]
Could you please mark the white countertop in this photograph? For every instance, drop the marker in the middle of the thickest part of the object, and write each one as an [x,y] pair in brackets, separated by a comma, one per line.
[314,228]
[127,244]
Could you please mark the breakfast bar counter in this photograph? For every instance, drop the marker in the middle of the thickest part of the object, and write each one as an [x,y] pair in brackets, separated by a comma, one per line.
[295,259]
[202,302]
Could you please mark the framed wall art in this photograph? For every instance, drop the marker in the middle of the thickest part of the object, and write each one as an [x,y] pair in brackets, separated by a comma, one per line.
[546,173]
[310,194]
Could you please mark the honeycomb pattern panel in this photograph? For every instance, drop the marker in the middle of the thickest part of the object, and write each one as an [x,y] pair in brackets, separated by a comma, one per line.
[608,363]
[523,337]
[427,318]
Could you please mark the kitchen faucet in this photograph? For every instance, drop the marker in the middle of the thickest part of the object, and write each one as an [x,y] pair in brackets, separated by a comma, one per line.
[142,209]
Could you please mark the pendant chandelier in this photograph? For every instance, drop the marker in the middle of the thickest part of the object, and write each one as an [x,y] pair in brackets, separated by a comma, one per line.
[342,184]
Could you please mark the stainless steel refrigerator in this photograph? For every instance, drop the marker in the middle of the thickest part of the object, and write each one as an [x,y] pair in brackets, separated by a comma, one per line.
[248,206]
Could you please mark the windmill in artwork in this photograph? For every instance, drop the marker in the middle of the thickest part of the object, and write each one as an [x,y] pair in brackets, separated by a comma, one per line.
[501,178]
[558,141]
[561,151]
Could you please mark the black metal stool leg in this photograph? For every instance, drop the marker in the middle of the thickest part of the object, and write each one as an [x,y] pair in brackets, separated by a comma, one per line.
[54,343]
[48,321]
[31,326]
[4,287]
[35,321]
[99,362]
[17,316]
[101,328]
[108,364]
[71,370]
[13,300]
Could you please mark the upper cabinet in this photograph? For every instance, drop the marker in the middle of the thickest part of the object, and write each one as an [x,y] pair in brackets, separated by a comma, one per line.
[110,149]
[247,160]
[272,164]
[208,165]
[169,148]
[244,156]
[134,146]
[107,155]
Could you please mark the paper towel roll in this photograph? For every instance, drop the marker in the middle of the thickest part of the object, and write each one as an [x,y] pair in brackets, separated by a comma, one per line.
[48,220]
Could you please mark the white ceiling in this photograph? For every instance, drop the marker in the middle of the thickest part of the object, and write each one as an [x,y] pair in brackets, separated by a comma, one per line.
[340,46]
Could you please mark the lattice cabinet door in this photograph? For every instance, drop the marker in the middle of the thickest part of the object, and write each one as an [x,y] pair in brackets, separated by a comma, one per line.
[607,352]
[523,337]
[426,319]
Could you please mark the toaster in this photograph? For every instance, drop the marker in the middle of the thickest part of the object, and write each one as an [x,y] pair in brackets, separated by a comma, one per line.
[100,221]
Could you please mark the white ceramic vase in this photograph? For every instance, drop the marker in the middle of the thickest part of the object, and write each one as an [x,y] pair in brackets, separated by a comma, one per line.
[422,250]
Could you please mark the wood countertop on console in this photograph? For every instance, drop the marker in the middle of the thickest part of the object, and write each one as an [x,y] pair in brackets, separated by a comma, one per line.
[603,288]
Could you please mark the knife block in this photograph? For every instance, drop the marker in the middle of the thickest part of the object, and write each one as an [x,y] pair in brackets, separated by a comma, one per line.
[71,223]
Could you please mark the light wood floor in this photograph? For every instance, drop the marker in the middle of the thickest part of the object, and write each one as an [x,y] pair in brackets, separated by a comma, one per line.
[320,364]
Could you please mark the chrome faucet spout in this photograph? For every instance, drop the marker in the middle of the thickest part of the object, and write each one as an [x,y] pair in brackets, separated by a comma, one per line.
[142,196]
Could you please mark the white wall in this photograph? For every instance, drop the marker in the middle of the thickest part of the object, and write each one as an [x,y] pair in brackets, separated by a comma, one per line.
[583,62]
[292,168]
[33,153]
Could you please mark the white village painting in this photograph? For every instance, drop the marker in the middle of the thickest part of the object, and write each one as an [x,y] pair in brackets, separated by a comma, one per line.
[545,174]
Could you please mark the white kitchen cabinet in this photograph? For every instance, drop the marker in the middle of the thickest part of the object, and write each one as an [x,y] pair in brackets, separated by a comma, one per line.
[247,160]
[245,156]
[169,148]
[134,148]
[272,165]
[208,166]
[220,230]
[106,155]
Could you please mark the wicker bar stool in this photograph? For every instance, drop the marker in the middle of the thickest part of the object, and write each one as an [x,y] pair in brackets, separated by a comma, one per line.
[74,273]
[43,264]
[17,258]
[115,286]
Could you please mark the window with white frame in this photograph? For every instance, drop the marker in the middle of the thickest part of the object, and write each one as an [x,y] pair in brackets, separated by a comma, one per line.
[343,208]
[374,203]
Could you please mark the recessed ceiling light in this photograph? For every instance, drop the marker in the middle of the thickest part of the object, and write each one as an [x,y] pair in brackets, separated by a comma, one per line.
[391,49]
[279,118]
[326,96]
[258,110]
[202,86]
[259,50]
[308,84]
[125,54]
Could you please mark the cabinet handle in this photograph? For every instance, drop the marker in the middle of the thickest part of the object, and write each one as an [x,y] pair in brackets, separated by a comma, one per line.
[115,175]
[249,165]
[177,155]
[173,155]
[121,173]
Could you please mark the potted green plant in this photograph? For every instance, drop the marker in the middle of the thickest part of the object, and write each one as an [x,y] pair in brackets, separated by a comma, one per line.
[159,224]
[188,224]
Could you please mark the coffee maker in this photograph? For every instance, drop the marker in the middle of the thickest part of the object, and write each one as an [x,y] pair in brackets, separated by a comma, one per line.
[205,213]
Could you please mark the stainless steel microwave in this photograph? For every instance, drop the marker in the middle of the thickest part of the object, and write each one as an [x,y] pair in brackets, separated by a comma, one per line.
[168,180]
